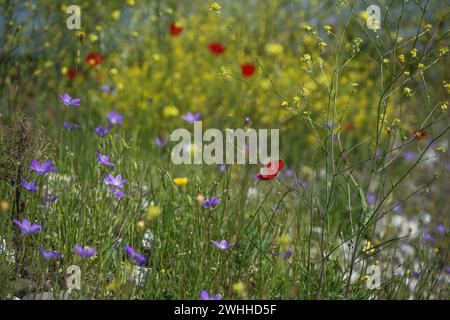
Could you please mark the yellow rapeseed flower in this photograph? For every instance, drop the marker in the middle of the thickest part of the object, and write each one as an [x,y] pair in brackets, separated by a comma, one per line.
[368,248]
[215,7]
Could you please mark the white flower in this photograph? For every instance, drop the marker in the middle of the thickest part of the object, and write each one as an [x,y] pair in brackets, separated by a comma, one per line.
[149,238]
[252,193]
[9,254]
[138,274]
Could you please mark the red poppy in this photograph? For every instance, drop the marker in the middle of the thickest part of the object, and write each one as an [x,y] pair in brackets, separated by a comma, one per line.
[216,48]
[420,134]
[272,169]
[175,29]
[247,70]
[70,73]
[93,59]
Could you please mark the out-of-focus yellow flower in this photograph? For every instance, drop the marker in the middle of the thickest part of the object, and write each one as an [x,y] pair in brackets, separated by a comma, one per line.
[64,70]
[284,103]
[284,239]
[141,224]
[385,60]
[413,53]
[112,286]
[441,149]
[443,51]
[224,71]
[274,49]
[4,205]
[116,14]
[215,7]
[364,15]
[239,287]
[407,92]
[170,111]
[113,71]
[428,26]
[153,212]
[199,198]
[368,248]
[181,181]
[401,58]
[421,67]
[131,2]
[364,278]
[444,106]
[93,37]
[327,28]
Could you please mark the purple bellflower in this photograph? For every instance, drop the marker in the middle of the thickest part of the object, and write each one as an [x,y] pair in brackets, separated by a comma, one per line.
[42,168]
[67,100]
[27,228]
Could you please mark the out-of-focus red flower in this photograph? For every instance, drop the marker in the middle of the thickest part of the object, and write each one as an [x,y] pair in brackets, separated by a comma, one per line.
[216,48]
[175,29]
[71,73]
[93,59]
[271,170]
[348,126]
[420,134]
[247,70]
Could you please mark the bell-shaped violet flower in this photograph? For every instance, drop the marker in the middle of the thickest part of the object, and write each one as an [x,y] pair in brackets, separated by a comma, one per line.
[161,142]
[117,193]
[191,117]
[223,245]
[104,159]
[213,201]
[29,185]
[115,118]
[42,168]
[116,182]
[70,126]
[204,295]
[441,228]
[85,252]
[100,131]
[50,254]
[140,259]
[27,228]
[68,101]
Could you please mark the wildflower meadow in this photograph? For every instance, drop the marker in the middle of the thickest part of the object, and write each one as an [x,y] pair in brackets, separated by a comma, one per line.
[99,98]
